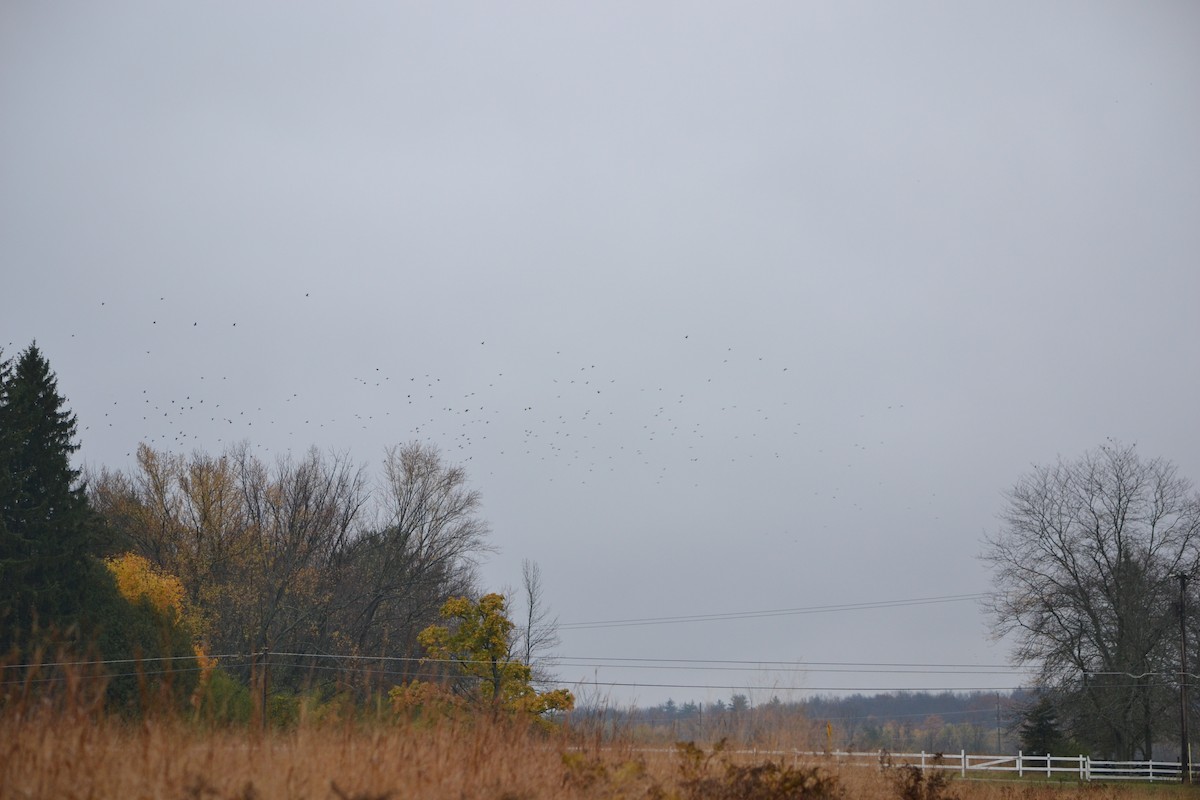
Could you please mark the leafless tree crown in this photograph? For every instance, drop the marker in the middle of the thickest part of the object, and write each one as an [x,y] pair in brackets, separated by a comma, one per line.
[1085,572]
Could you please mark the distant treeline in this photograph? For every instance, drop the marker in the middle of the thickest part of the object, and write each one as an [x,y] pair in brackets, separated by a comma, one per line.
[979,722]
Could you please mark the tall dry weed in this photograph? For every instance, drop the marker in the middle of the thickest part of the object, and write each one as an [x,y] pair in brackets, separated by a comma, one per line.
[62,745]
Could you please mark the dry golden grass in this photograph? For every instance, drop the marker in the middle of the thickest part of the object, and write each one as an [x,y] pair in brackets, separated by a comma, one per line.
[52,753]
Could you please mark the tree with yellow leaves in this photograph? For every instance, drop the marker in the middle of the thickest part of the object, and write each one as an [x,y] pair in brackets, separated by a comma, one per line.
[137,578]
[140,581]
[477,652]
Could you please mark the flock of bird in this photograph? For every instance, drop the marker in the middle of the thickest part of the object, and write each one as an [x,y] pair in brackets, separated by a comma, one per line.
[580,414]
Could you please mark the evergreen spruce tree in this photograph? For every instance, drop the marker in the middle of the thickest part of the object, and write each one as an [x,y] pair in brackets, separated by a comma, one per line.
[45,522]
[1040,734]
[53,588]
[6,481]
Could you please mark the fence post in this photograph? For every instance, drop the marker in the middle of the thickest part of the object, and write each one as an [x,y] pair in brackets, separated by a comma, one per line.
[964,763]
[1020,765]
[1048,765]
[1081,772]
[922,761]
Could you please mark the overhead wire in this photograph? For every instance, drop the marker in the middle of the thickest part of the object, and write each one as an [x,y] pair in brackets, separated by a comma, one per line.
[304,661]
[808,689]
[778,612]
[795,667]
[785,663]
[99,662]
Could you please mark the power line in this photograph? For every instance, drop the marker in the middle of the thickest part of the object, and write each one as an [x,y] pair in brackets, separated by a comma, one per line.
[809,689]
[745,665]
[778,612]
[790,668]
[773,689]
[297,660]
[99,676]
[45,664]
[751,661]
[633,662]
[662,685]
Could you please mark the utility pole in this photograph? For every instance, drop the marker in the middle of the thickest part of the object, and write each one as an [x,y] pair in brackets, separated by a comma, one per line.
[263,678]
[1185,759]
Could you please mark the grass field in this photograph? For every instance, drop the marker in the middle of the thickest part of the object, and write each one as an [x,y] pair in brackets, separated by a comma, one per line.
[49,753]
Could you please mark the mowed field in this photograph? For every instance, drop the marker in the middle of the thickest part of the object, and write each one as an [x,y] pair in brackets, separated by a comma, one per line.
[46,753]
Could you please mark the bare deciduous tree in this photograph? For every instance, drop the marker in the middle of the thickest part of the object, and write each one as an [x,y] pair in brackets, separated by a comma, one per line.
[1085,575]
[421,551]
[538,632]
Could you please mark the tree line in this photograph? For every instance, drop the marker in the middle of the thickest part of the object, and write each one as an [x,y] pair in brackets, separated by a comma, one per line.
[223,556]
[900,722]
[305,555]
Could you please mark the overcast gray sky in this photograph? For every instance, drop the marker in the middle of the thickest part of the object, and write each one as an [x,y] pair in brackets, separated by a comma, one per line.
[725,307]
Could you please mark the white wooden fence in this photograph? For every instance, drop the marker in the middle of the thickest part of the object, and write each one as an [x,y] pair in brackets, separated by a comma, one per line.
[1084,768]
